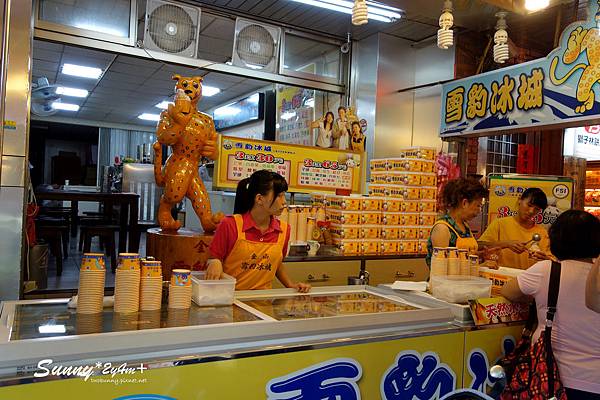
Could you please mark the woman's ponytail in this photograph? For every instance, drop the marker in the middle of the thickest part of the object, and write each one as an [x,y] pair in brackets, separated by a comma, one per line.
[260,182]
[243,201]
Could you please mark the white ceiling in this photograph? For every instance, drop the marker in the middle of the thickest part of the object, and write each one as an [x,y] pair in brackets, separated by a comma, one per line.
[129,86]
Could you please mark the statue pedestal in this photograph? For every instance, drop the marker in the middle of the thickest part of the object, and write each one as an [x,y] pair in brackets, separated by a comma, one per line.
[184,249]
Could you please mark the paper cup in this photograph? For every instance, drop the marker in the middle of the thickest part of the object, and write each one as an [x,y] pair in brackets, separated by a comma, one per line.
[93,262]
[177,317]
[180,296]
[91,291]
[181,277]
[129,261]
[127,291]
[125,322]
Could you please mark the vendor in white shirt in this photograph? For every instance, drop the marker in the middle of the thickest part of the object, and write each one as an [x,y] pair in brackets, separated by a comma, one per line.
[325,125]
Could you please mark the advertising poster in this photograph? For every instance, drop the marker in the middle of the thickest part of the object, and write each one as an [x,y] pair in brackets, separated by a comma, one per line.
[560,88]
[583,142]
[295,112]
[505,191]
[306,169]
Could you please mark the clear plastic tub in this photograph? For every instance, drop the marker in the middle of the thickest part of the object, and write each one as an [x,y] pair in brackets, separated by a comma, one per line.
[212,293]
[460,288]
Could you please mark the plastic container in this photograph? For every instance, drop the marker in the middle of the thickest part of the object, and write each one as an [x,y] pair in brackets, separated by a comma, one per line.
[460,288]
[212,293]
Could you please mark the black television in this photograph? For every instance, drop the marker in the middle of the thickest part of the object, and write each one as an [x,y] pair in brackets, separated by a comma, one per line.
[248,109]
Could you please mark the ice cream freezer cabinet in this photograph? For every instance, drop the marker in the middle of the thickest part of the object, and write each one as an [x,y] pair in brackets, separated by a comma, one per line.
[335,343]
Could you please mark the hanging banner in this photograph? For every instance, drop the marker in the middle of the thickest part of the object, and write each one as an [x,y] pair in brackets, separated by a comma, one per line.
[558,89]
[306,169]
[295,112]
[505,191]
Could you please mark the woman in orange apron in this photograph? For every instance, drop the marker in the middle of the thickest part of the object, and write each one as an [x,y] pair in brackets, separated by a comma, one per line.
[251,244]
[463,198]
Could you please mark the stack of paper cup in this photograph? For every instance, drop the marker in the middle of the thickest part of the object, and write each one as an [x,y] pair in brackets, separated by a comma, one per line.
[180,289]
[91,283]
[151,286]
[127,284]
[89,323]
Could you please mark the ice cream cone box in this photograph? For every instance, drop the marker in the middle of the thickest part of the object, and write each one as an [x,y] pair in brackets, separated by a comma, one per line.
[427,193]
[370,218]
[404,164]
[388,247]
[424,232]
[370,246]
[379,177]
[427,206]
[348,246]
[370,204]
[391,204]
[409,219]
[391,218]
[427,219]
[391,232]
[318,199]
[378,190]
[427,165]
[347,203]
[370,232]
[499,277]
[409,192]
[345,231]
[404,178]
[428,179]
[409,232]
[344,217]
[425,153]
[409,206]
[378,164]
[407,246]
[183,249]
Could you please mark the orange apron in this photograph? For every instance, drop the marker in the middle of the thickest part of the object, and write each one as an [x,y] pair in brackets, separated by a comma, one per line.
[254,264]
[467,243]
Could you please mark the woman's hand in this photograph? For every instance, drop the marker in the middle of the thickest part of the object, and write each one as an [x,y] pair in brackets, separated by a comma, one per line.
[302,287]
[515,247]
[214,270]
[538,255]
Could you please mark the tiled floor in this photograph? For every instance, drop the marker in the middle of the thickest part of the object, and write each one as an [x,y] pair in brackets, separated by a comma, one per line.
[69,280]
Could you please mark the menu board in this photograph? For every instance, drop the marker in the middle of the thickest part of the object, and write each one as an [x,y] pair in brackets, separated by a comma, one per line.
[306,169]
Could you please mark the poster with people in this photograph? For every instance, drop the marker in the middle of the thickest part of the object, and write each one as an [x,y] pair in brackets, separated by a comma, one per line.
[344,132]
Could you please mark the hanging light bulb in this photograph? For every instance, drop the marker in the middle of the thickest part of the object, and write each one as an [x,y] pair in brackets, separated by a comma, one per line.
[445,35]
[501,53]
[360,12]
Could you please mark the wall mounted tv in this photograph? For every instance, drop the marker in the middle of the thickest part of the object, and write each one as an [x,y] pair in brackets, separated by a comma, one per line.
[248,109]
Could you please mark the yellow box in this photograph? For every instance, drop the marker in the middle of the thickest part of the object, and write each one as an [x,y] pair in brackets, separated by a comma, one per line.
[405,178]
[409,206]
[407,246]
[404,164]
[388,247]
[391,218]
[427,165]
[409,219]
[427,193]
[344,217]
[379,177]
[378,164]
[348,246]
[409,232]
[371,204]
[371,218]
[498,277]
[424,232]
[396,191]
[426,153]
[345,231]
[348,203]
[370,246]
[411,192]
[391,204]
[422,247]
[428,179]
[391,232]
[318,199]
[427,205]
[427,219]
[370,232]
[378,190]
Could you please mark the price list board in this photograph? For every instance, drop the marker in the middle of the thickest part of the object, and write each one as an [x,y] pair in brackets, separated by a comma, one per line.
[306,169]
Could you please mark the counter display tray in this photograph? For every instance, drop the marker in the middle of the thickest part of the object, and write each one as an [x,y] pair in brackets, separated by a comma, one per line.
[461,312]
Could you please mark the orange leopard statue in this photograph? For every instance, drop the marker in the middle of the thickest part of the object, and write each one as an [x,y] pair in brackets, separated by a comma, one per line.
[192,135]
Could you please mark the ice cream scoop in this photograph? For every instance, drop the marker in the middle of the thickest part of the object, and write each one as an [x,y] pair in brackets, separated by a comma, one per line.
[182,101]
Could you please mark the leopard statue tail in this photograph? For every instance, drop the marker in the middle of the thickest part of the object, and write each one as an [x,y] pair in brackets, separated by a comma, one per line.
[159,176]
[559,81]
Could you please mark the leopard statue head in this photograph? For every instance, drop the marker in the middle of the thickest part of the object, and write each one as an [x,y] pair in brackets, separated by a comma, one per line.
[192,86]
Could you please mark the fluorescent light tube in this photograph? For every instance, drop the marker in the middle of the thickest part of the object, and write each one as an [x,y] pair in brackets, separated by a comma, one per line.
[57,105]
[378,12]
[149,117]
[81,71]
[52,329]
[163,105]
[71,91]
[209,91]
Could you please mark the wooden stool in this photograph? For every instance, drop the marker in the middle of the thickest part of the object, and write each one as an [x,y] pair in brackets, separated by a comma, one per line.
[54,236]
[106,233]
[59,224]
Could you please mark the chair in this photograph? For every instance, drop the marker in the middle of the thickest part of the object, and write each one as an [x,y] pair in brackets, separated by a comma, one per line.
[54,233]
[106,234]
[139,179]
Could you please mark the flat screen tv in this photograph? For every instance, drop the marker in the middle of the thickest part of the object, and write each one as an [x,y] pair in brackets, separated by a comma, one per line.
[240,112]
